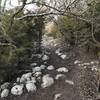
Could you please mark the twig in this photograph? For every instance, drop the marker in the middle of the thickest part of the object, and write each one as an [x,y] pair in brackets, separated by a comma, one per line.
[12,18]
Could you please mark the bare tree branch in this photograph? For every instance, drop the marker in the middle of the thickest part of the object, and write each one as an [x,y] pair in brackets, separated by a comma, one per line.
[17,12]
[56,12]
[52,13]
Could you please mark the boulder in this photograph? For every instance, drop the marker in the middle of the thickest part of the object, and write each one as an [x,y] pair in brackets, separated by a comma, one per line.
[17,89]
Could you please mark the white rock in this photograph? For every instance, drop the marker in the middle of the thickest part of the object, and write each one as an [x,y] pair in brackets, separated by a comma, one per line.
[62,69]
[94,62]
[28,79]
[86,64]
[43,66]
[33,64]
[17,89]
[45,57]
[55,44]
[59,76]
[76,62]
[14,84]
[50,67]
[5,85]
[57,51]
[45,62]
[18,79]
[36,69]
[39,55]
[23,80]
[47,81]
[33,80]
[57,96]
[69,82]
[63,56]
[25,77]
[59,54]
[97,62]
[37,74]
[80,65]
[31,87]
[94,68]
[85,67]
[4,93]
[39,78]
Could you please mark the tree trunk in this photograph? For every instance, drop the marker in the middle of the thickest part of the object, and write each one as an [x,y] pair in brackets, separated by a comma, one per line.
[40,25]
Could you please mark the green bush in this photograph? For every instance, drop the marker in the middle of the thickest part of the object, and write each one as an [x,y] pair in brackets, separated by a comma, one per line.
[22,36]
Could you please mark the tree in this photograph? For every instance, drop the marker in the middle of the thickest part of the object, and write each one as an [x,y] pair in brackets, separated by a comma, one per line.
[17,45]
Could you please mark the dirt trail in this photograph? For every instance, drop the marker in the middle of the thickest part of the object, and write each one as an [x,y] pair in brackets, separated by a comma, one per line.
[67,91]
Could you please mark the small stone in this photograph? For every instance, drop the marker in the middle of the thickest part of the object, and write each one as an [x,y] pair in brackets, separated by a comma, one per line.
[86,64]
[76,62]
[4,93]
[50,67]
[25,77]
[69,82]
[43,66]
[45,57]
[57,96]
[47,81]
[18,79]
[45,62]
[59,54]
[37,74]
[17,89]
[5,85]
[85,67]
[63,56]
[94,68]
[33,80]
[80,65]
[14,83]
[31,87]
[39,55]
[34,64]
[36,69]
[97,62]
[22,80]
[57,51]
[55,45]
[92,62]
[39,78]
[62,69]
[59,76]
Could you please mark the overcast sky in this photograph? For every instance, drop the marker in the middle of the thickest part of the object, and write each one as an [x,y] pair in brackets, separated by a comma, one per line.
[13,3]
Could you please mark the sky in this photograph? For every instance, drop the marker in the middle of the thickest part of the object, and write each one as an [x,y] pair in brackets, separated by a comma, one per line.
[13,3]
